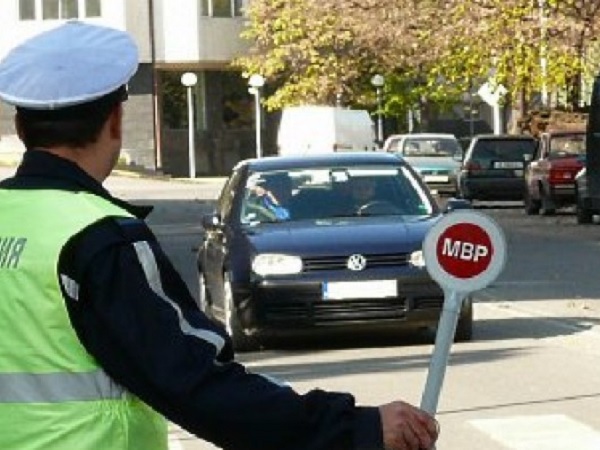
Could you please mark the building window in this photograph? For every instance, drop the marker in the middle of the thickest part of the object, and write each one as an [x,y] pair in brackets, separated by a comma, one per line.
[92,8]
[27,10]
[222,8]
[238,6]
[238,105]
[174,101]
[60,9]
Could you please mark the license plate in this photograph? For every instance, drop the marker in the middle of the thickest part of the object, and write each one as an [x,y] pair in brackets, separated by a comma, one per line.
[508,165]
[341,290]
[435,178]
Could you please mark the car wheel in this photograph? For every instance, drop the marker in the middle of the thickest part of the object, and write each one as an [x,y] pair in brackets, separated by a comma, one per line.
[241,341]
[532,207]
[548,208]
[204,297]
[460,193]
[464,327]
[584,215]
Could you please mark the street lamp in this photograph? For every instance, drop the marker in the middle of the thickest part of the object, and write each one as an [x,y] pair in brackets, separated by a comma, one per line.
[543,51]
[189,80]
[256,82]
[378,81]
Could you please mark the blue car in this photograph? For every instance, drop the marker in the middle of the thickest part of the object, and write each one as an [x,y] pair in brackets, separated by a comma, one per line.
[326,244]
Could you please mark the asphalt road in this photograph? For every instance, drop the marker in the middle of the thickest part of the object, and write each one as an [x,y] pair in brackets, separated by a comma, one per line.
[529,380]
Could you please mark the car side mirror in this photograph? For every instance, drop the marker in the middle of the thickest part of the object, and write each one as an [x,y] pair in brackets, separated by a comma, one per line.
[211,221]
[454,204]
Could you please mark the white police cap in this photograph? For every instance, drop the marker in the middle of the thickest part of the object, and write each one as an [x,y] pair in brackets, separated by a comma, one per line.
[72,64]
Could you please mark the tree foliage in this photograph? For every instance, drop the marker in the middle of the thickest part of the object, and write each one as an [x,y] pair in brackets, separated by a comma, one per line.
[324,51]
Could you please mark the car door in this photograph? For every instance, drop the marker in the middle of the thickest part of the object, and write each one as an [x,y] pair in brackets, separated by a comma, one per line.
[215,245]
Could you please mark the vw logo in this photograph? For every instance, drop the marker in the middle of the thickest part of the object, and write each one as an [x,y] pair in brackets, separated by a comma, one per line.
[357,262]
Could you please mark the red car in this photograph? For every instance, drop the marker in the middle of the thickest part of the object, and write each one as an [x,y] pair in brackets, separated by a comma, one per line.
[550,176]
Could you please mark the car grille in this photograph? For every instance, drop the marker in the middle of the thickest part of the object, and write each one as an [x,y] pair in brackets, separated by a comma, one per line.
[302,309]
[340,262]
[323,313]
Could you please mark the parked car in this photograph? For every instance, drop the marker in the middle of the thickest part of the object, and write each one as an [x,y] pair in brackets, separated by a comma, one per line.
[346,258]
[585,207]
[435,156]
[550,176]
[493,167]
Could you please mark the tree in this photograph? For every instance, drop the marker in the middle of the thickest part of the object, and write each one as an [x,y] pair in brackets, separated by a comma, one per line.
[318,51]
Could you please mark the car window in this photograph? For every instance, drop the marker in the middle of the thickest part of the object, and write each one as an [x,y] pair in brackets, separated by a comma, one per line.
[488,153]
[431,146]
[567,145]
[394,145]
[226,197]
[325,193]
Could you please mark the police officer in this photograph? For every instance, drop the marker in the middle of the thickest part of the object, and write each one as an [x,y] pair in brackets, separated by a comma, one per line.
[100,340]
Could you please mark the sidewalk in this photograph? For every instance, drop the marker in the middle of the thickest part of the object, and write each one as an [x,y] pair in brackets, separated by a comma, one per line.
[11,152]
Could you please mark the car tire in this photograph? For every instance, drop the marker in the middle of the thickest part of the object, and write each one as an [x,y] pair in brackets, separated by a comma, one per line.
[548,208]
[464,327]
[584,215]
[241,341]
[532,207]
[203,301]
[460,193]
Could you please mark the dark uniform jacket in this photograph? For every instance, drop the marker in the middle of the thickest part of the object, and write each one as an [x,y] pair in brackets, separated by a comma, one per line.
[143,326]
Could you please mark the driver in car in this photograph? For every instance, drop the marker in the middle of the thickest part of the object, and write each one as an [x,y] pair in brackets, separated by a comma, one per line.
[356,193]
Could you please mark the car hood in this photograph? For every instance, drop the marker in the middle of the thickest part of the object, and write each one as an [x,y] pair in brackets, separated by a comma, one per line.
[433,162]
[341,236]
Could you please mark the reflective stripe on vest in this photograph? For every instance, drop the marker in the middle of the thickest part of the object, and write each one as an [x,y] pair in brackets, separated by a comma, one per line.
[57,387]
[148,262]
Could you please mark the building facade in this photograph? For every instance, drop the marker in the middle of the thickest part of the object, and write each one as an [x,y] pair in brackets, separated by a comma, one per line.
[198,36]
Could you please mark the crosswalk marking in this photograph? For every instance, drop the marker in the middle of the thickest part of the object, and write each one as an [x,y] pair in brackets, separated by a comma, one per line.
[548,432]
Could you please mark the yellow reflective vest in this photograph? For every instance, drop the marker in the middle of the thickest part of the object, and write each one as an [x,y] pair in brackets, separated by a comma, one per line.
[53,394]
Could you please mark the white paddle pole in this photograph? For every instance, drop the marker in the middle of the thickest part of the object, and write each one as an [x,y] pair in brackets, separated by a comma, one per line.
[443,341]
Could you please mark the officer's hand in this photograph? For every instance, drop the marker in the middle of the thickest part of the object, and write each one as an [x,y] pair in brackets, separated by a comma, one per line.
[406,427]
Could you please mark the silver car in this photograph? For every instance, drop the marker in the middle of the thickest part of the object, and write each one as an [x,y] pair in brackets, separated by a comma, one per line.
[435,156]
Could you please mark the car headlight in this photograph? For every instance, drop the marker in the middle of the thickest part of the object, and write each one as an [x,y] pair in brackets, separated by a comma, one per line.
[416,259]
[276,264]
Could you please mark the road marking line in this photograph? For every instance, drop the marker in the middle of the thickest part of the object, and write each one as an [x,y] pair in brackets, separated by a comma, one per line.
[516,310]
[175,432]
[549,432]
[175,444]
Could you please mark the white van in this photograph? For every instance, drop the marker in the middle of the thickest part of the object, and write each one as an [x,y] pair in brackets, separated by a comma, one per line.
[323,129]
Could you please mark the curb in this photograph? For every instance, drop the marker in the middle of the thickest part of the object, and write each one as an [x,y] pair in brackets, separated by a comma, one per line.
[133,173]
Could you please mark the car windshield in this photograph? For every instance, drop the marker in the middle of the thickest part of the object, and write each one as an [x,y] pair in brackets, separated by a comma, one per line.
[567,145]
[431,146]
[325,193]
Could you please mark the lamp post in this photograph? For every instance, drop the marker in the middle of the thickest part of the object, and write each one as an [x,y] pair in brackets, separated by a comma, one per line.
[189,80]
[256,82]
[378,81]
[543,51]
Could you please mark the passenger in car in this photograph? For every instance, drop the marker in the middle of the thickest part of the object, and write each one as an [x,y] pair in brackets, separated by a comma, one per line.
[273,193]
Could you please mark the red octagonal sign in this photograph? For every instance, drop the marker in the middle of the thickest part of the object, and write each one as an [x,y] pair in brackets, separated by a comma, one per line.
[464,250]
